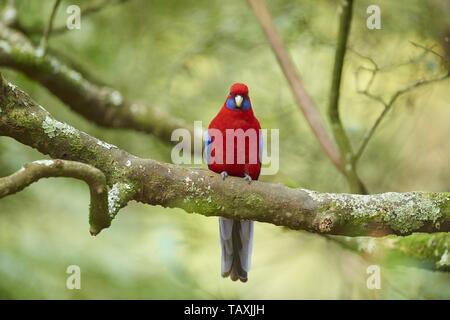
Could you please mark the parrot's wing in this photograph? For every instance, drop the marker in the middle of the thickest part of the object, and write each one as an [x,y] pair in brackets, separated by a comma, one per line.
[226,242]
[208,147]
[261,146]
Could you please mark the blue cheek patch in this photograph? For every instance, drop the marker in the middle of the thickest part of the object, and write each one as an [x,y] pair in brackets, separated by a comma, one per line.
[230,104]
[246,105]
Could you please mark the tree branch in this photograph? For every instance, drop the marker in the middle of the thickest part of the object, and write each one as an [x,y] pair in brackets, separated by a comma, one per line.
[443,59]
[48,30]
[100,104]
[9,13]
[85,11]
[302,98]
[99,215]
[204,192]
[343,142]
[423,250]
[387,105]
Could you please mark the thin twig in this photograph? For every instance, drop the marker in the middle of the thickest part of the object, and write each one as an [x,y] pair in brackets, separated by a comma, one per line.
[373,72]
[89,9]
[370,133]
[387,105]
[302,98]
[388,67]
[48,29]
[430,49]
[85,11]
[340,135]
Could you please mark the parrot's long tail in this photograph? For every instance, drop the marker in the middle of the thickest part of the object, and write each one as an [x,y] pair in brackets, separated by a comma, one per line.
[236,240]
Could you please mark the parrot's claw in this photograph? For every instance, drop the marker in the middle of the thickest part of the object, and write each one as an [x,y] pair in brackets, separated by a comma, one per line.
[248,178]
[224,175]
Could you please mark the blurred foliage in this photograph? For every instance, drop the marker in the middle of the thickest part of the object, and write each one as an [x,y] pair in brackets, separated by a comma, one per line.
[182,56]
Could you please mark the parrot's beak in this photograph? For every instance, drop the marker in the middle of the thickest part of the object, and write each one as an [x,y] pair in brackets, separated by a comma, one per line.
[238,99]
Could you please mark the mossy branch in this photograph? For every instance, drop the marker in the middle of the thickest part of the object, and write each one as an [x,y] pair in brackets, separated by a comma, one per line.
[204,192]
[100,104]
[99,215]
[430,251]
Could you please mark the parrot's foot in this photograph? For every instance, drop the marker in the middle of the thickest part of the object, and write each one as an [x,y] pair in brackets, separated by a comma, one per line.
[248,178]
[224,175]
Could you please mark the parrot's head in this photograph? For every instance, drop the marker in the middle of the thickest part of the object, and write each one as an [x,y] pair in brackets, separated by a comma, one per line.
[238,98]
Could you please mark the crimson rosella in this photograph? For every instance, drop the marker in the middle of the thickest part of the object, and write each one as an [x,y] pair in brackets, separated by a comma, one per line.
[235,152]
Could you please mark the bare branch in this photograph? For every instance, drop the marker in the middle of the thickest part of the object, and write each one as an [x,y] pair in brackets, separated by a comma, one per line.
[204,192]
[85,11]
[388,67]
[302,98]
[370,133]
[48,30]
[387,105]
[99,216]
[340,135]
[88,10]
[430,50]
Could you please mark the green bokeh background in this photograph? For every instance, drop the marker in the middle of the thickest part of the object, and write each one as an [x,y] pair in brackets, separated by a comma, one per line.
[181,57]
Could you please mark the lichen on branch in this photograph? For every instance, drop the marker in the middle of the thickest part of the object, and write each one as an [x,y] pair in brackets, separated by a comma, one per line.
[430,251]
[98,103]
[99,216]
[204,192]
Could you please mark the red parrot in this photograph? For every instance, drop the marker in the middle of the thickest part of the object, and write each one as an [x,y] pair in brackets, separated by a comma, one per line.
[235,152]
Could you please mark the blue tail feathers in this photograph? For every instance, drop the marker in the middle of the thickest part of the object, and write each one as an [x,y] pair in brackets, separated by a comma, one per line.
[236,240]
